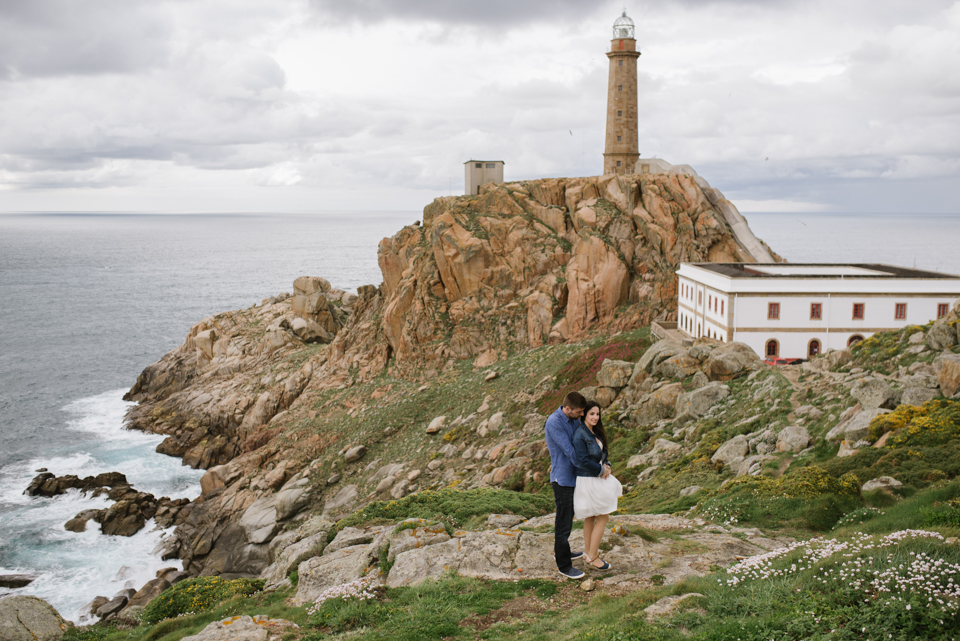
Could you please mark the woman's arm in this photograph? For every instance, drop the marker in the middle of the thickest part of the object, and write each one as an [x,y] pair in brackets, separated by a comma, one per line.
[584,462]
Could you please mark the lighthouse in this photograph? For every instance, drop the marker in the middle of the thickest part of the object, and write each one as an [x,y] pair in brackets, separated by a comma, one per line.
[621,148]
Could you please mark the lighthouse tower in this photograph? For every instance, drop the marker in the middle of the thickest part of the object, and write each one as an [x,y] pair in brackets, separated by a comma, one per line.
[621,148]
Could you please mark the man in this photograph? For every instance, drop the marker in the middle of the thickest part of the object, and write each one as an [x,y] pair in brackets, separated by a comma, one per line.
[559,430]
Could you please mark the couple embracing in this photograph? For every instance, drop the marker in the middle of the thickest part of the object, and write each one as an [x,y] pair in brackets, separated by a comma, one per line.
[583,486]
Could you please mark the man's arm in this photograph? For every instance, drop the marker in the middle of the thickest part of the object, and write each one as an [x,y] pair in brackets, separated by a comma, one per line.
[558,436]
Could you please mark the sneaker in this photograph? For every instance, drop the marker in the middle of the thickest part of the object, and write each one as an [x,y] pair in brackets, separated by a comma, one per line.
[576,555]
[573,573]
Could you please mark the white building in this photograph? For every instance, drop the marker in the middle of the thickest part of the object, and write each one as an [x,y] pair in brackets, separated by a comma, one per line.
[800,310]
[481,172]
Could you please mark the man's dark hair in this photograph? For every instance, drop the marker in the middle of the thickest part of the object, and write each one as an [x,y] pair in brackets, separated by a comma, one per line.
[575,401]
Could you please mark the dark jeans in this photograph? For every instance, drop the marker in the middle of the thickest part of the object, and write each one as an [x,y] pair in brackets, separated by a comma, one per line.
[563,497]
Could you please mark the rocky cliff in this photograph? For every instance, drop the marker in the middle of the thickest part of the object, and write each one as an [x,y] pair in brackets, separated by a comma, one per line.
[261,396]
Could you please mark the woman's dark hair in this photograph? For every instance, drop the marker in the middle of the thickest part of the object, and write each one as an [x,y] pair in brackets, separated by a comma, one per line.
[598,428]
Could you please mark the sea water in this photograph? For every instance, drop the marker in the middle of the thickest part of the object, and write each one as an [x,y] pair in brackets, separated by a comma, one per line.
[88,301]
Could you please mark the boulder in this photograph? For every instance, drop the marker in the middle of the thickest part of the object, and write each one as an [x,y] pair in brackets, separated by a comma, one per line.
[699,380]
[921,379]
[881,483]
[418,537]
[918,395]
[605,396]
[793,438]
[753,465]
[150,591]
[113,606]
[947,367]
[322,572]
[647,474]
[657,405]
[243,628]
[874,393]
[27,618]
[614,373]
[291,557]
[16,580]
[856,428]
[940,337]
[310,331]
[292,497]
[436,425]
[504,520]
[764,442]
[489,554]
[259,521]
[696,402]
[354,453]
[732,452]
[657,353]
[687,491]
[668,605]
[730,360]
[678,367]
[306,285]
[661,451]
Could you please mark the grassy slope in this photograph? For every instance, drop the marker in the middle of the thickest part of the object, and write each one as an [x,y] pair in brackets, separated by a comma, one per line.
[817,599]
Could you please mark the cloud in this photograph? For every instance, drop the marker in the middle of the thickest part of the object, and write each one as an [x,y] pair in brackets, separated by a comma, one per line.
[377,104]
[508,14]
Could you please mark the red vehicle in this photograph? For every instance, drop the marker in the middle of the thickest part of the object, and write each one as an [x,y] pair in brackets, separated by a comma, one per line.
[777,360]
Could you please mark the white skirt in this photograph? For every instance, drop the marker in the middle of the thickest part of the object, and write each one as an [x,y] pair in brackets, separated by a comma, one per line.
[595,496]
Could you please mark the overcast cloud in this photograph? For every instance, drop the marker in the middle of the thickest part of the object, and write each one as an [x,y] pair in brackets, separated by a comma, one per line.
[307,105]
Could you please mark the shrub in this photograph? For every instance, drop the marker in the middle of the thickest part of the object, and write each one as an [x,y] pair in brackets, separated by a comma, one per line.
[807,482]
[197,595]
[936,422]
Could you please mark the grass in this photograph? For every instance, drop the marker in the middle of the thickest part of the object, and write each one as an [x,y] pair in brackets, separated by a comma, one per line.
[455,508]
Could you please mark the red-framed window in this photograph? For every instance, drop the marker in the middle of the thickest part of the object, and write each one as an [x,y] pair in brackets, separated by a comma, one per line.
[816,311]
[900,311]
[858,311]
[773,312]
[853,340]
[942,309]
[813,348]
[773,348]
[721,306]
[700,298]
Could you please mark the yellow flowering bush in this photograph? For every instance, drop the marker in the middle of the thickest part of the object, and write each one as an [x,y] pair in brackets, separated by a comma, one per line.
[937,422]
[197,595]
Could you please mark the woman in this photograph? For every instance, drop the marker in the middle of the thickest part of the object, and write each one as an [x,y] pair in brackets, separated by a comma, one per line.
[597,490]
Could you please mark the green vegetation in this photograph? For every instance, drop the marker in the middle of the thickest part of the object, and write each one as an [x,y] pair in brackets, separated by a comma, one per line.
[937,422]
[455,508]
[197,595]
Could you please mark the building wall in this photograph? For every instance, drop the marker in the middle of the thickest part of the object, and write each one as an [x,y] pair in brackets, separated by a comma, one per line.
[705,308]
[622,140]
[489,171]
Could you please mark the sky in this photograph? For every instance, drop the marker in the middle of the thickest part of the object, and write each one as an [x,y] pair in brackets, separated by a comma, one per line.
[315,105]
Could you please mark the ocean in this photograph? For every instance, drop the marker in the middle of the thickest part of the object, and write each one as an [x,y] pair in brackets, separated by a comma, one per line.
[89,300]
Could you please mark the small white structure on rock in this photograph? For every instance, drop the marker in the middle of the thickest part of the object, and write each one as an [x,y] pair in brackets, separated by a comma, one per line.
[800,310]
[481,172]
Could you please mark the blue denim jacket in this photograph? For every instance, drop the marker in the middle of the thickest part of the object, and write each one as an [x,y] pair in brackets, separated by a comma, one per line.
[590,458]
[559,431]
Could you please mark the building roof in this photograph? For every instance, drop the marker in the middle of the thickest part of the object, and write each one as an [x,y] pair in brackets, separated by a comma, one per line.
[470,161]
[868,271]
